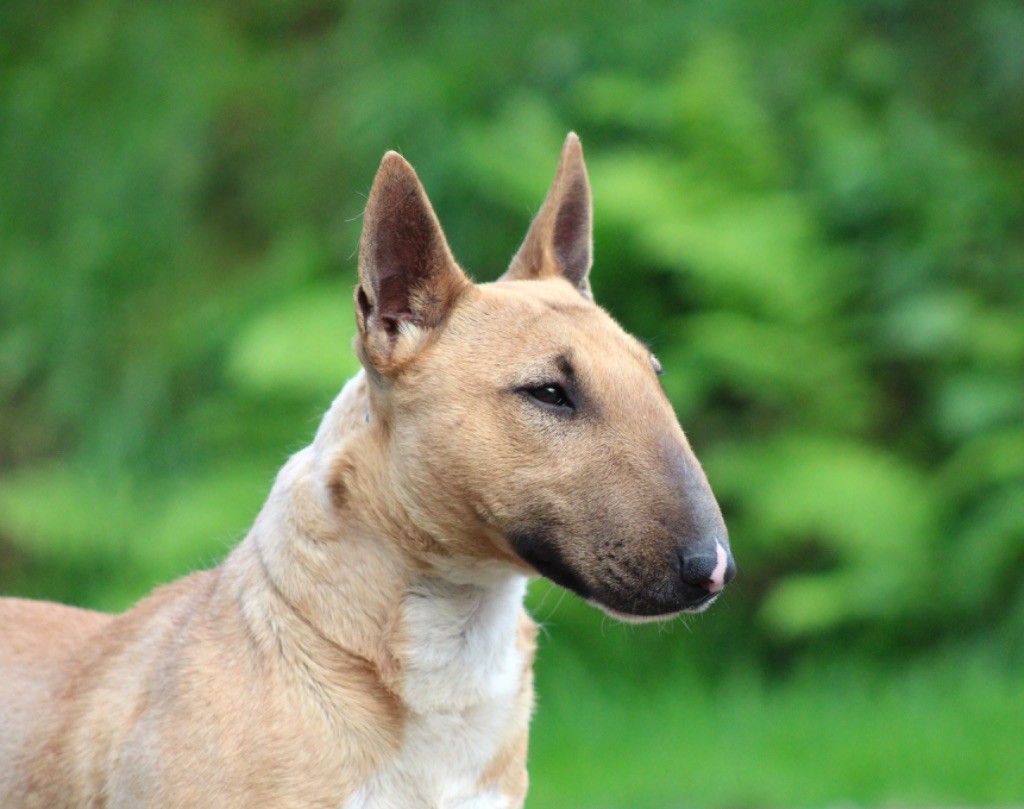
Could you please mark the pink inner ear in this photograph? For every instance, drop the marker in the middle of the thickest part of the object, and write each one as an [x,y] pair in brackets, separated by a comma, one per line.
[571,237]
[407,251]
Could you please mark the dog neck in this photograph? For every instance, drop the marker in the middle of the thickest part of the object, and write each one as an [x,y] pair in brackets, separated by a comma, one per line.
[338,570]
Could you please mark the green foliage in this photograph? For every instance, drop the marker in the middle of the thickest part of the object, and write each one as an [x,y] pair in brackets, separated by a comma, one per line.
[812,211]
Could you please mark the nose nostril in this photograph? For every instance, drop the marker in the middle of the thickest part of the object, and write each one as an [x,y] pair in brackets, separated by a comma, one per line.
[696,569]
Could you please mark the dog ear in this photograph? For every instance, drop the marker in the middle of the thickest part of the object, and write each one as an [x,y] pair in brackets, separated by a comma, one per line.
[408,279]
[560,240]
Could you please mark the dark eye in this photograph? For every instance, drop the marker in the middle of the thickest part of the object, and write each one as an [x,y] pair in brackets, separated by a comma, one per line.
[552,394]
[657,366]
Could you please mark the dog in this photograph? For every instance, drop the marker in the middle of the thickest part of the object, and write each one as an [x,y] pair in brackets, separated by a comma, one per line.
[366,646]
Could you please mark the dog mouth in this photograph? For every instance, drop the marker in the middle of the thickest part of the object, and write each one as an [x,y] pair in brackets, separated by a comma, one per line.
[637,603]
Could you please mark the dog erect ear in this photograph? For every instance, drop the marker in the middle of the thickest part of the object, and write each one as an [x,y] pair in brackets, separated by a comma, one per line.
[560,240]
[408,279]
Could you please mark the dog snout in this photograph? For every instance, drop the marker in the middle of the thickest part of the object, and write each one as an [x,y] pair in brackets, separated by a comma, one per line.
[707,569]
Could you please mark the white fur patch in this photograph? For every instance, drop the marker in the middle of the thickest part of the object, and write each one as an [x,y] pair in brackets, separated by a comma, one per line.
[412,333]
[461,676]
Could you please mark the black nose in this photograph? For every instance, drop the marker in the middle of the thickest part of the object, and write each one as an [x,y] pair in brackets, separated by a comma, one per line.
[707,569]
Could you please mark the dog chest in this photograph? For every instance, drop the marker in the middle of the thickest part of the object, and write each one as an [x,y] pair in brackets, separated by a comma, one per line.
[462,672]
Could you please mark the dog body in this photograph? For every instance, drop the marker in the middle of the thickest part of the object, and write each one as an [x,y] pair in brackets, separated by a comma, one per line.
[366,645]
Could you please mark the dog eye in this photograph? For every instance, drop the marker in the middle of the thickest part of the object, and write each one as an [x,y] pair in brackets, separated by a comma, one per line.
[552,394]
[657,366]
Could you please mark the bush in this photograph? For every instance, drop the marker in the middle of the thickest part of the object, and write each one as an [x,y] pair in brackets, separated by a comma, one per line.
[812,211]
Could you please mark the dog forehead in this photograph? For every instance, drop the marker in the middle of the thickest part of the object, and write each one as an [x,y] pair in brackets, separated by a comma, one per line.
[554,293]
[538,315]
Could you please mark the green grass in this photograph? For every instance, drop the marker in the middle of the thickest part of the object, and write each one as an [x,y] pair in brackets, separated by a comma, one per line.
[940,734]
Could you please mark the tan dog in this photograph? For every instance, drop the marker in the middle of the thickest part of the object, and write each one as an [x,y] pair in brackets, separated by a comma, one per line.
[366,645]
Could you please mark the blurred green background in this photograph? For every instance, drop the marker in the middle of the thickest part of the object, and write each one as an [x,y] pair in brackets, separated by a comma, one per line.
[813,211]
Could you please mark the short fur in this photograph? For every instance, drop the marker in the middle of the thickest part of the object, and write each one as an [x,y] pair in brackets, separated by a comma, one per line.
[365,645]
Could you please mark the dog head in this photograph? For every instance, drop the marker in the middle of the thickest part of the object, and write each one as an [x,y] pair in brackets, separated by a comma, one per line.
[521,423]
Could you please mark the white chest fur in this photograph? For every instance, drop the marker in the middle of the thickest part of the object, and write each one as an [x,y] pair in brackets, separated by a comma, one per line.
[462,673]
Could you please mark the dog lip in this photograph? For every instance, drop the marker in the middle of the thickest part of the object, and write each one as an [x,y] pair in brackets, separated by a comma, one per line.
[691,608]
[704,603]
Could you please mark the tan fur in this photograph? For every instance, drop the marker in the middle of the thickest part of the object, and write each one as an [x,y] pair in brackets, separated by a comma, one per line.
[304,670]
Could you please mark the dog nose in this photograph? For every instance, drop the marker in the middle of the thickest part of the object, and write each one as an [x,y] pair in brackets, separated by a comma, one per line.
[710,571]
